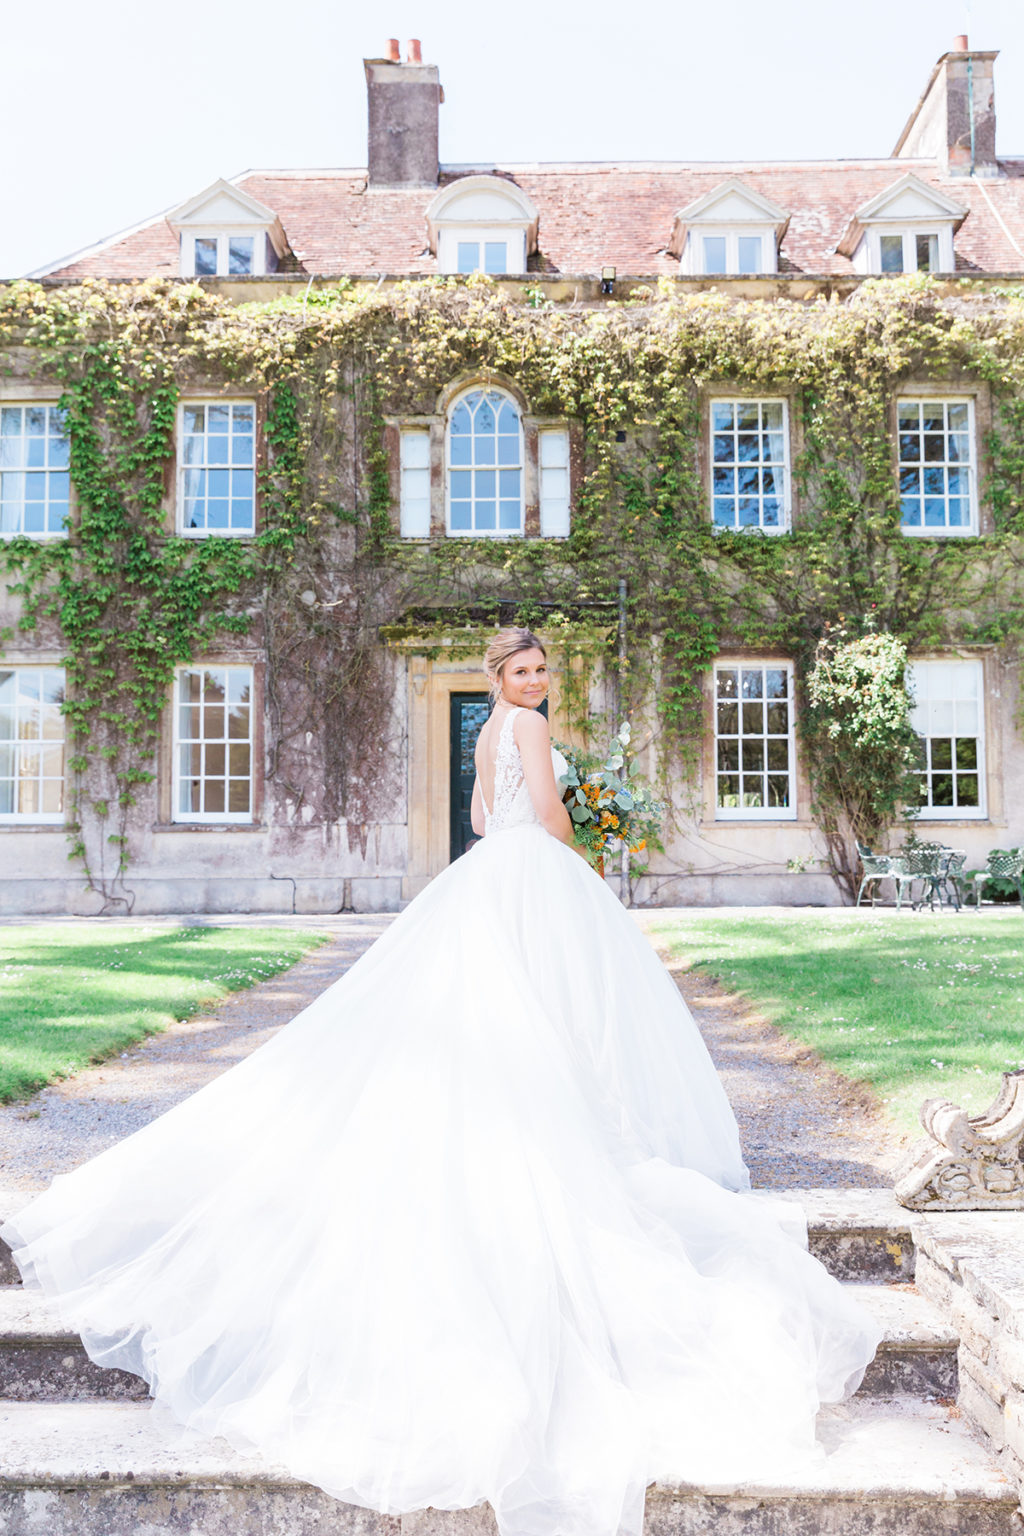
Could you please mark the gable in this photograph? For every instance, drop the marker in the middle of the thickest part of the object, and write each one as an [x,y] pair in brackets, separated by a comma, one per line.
[908,201]
[732,202]
[223,205]
[485,200]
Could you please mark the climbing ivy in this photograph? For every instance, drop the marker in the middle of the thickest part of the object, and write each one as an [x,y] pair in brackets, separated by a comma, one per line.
[127,599]
[860,745]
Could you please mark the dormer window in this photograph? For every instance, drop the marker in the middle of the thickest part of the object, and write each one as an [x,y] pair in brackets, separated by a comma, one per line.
[907,228]
[482,224]
[731,232]
[226,233]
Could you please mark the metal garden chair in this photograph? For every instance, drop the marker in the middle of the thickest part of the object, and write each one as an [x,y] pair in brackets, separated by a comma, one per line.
[876,868]
[1001,864]
[951,876]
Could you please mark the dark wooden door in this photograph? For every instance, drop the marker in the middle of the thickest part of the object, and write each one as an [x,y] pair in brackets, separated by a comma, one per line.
[468,713]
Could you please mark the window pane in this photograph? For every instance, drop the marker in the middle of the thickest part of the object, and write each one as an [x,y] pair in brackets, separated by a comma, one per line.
[34,484]
[748,477]
[938,495]
[752,747]
[946,713]
[495,256]
[714,254]
[484,431]
[469,256]
[32,750]
[891,248]
[214,497]
[206,258]
[750,253]
[214,705]
[927,248]
[240,255]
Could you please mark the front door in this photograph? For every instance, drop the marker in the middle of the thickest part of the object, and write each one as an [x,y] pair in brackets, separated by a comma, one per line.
[468,713]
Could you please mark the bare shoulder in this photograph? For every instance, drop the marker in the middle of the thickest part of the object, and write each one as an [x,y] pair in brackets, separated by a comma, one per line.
[531,726]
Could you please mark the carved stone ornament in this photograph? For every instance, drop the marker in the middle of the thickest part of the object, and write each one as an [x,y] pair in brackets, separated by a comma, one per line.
[972,1162]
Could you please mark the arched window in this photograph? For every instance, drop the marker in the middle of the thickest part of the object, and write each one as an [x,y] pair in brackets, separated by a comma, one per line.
[485,464]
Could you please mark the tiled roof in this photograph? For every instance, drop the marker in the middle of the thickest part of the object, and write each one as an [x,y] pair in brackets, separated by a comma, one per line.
[591,215]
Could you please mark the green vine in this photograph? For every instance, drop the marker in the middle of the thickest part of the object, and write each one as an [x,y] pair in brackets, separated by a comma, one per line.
[127,599]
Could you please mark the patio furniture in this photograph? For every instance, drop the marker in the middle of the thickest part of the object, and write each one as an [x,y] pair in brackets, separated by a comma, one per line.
[919,862]
[886,866]
[1001,864]
[952,876]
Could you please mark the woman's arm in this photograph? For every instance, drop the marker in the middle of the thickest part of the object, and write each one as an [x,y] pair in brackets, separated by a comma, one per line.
[533,738]
[476,810]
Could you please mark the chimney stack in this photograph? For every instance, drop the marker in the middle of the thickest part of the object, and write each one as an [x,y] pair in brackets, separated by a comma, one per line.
[403,102]
[954,123]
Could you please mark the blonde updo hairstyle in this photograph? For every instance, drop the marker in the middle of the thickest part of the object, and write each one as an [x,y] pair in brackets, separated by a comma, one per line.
[506,644]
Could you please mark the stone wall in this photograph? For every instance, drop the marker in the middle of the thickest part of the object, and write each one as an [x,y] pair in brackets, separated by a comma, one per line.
[972,1267]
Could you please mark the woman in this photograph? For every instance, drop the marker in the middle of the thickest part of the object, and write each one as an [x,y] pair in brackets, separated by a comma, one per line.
[473,1225]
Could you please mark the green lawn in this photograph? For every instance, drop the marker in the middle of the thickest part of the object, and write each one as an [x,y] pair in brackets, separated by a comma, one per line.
[918,1006]
[71,994]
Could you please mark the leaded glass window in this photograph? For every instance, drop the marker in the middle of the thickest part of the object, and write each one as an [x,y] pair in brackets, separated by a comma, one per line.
[213,731]
[485,465]
[750,465]
[218,467]
[936,466]
[35,485]
[948,716]
[31,744]
[754,741]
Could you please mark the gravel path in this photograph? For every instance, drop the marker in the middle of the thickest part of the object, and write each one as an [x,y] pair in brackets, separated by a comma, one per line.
[801,1124]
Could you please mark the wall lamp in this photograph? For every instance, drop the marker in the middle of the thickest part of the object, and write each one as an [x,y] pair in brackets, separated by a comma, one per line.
[607,279]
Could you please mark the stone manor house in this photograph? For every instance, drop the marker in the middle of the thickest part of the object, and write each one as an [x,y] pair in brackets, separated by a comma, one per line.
[213,831]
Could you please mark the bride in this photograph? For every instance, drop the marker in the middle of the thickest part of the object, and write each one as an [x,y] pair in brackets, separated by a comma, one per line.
[475,1224]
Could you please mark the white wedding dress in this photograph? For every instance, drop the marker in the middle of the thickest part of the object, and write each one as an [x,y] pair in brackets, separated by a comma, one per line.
[471,1227]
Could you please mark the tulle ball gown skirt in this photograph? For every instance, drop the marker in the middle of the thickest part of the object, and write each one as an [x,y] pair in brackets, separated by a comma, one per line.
[473,1226]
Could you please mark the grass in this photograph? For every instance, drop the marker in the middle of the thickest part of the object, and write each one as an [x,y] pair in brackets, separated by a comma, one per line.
[917,1006]
[71,994]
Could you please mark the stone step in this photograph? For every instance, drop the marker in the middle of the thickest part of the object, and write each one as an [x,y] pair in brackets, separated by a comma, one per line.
[895,1467]
[42,1361]
[858,1234]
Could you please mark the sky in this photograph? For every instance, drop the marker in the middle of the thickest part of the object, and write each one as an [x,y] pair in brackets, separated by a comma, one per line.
[124,108]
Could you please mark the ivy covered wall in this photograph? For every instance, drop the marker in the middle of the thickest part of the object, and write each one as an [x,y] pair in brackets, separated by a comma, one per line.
[326,578]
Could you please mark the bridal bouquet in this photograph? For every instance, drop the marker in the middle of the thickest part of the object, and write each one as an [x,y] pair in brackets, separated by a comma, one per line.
[608,805]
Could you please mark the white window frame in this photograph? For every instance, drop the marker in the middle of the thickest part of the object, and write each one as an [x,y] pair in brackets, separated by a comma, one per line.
[870,252]
[484,533]
[731,234]
[915,671]
[44,534]
[554,473]
[18,742]
[513,237]
[205,818]
[786,513]
[182,467]
[258,233]
[755,813]
[948,531]
[414,482]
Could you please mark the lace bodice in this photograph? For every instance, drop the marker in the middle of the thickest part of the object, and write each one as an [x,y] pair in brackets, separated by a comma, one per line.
[512,804]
